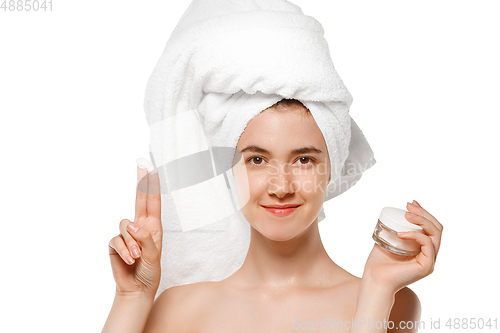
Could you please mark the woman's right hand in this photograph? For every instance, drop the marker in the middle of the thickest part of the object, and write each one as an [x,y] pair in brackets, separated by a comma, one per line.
[141,239]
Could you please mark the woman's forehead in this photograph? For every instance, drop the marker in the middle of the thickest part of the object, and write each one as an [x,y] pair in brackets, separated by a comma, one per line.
[282,130]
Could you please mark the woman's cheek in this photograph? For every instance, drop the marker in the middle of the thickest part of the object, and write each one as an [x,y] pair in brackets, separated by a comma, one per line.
[249,186]
[311,184]
[258,184]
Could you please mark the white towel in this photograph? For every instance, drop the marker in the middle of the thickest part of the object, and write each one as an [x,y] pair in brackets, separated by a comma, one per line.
[225,62]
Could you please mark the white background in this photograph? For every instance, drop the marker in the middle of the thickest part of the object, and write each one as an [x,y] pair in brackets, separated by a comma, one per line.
[425,81]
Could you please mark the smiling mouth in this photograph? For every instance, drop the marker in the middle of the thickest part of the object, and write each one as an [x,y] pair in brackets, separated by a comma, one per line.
[285,211]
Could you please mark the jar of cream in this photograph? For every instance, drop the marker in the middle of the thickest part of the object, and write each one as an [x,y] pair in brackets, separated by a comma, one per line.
[390,222]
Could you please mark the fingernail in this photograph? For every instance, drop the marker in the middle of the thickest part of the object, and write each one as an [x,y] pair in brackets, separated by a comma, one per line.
[135,251]
[409,213]
[130,259]
[409,203]
[416,203]
[144,164]
[133,227]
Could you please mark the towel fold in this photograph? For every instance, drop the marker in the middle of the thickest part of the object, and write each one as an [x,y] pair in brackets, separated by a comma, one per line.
[223,64]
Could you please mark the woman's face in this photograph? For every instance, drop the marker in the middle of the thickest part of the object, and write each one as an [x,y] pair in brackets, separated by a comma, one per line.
[284,161]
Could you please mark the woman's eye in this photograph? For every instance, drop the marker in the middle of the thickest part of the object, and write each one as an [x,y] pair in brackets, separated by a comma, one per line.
[305,159]
[257,160]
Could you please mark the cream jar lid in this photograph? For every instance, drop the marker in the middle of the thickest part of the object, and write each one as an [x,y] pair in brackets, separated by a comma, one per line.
[395,219]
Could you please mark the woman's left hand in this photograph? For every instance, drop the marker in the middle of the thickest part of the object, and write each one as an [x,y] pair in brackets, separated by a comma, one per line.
[393,272]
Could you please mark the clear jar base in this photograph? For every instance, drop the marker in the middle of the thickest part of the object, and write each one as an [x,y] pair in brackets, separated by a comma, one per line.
[392,249]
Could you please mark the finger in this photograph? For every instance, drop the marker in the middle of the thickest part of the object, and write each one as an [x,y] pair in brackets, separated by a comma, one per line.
[154,196]
[429,229]
[130,242]
[427,226]
[421,211]
[149,250]
[437,238]
[117,246]
[425,258]
[141,195]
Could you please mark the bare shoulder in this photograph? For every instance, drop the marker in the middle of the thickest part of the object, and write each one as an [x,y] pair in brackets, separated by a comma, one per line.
[174,310]
[406,309]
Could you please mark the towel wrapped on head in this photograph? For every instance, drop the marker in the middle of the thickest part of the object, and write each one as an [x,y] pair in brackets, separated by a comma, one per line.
[224,63]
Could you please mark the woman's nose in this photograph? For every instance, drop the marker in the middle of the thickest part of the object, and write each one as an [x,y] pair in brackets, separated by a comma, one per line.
[280,182]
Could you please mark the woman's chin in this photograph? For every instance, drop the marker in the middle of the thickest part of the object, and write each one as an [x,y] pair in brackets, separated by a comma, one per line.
[280,229]
[279,233]
[278,237]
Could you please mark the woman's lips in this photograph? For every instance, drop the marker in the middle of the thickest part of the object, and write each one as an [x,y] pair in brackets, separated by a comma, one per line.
[281,211]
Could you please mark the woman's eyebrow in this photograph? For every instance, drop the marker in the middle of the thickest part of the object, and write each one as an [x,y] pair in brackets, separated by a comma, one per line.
[304,150]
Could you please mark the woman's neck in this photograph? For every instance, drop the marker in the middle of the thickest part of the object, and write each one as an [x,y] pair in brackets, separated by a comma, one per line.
[301,262]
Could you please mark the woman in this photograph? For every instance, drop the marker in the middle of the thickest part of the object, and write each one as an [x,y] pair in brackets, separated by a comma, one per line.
[287,280]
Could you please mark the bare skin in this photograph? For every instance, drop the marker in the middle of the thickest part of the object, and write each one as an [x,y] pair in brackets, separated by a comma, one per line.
[287,280]
[223,307]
